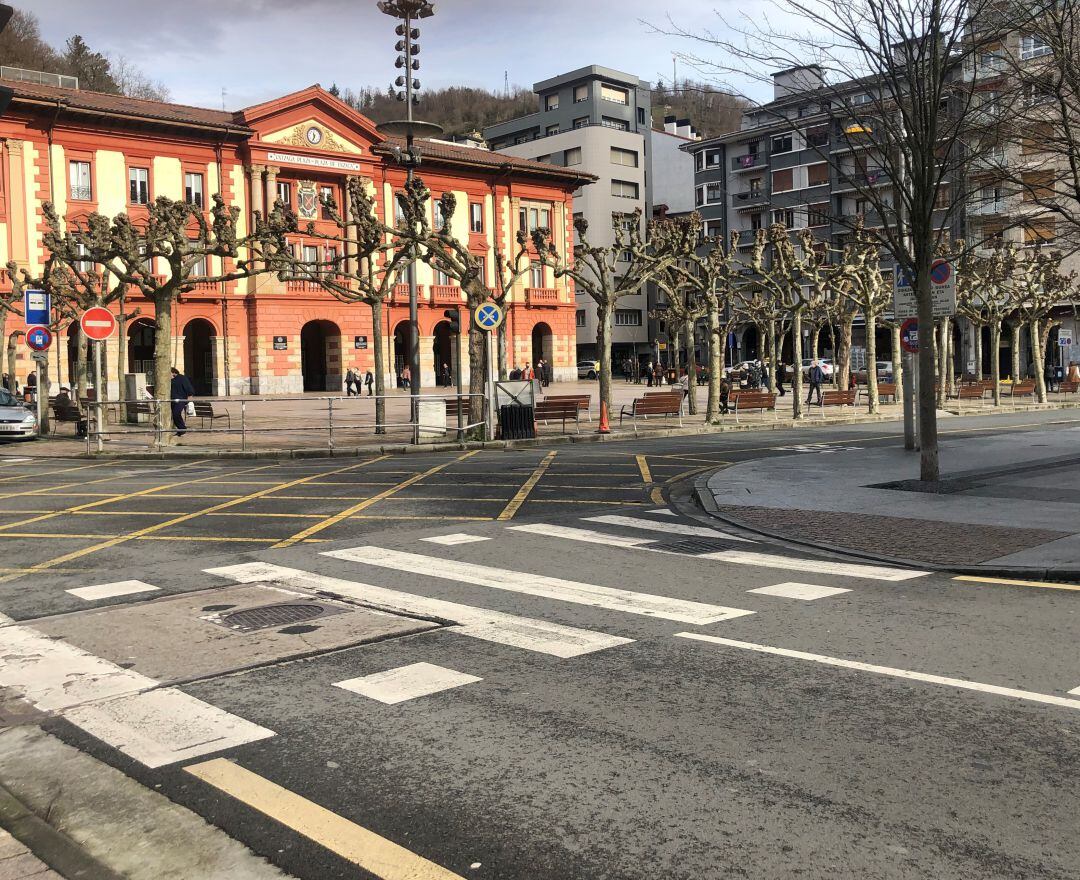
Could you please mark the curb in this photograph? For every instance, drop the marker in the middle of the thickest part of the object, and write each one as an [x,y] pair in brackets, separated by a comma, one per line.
[707,502]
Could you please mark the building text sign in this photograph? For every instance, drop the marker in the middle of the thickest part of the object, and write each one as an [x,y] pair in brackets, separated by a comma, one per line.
[313,161]
[942,292]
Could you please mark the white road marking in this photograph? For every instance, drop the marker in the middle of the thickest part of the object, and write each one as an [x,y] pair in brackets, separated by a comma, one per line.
[165,726]
[110,591]
[122,708]
[806,592]
[589,536]
[669,528]
[663,511]
[629,602]
[15,460]
[406,683]
[1075,691]
[1031,696]
[452,540]
[480,623]
[816,566]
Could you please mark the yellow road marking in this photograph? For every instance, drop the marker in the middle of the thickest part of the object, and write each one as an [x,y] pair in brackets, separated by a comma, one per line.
[657,496]
[364,505]
[511,509]
[66,470]
[1047,585]
[428,518]
[643,466]
[210,539]
[51,490]
[585,501]
[353,843]
[187,517]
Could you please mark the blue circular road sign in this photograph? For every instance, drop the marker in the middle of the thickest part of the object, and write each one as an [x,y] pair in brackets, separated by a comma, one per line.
[488,316]
[941,272]
[39,338]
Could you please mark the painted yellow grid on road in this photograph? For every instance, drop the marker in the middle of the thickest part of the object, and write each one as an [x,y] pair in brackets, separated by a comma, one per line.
[511,509]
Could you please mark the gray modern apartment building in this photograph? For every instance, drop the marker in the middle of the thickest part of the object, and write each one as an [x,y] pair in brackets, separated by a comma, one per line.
[601,120]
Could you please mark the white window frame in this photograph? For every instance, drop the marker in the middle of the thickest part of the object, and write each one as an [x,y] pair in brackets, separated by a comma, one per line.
[620,184]
[476,218]
[1029,48]
[622,96]
[628,318]
[573,156]
[138,185]
[618,154]
[775,137]
[192,195]
[536,276]
[81,179]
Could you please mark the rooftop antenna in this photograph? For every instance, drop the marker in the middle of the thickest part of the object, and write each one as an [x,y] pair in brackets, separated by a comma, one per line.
[223,94]
[506,82]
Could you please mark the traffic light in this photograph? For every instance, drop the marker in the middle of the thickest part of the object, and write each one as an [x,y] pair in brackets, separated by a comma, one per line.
[453,317]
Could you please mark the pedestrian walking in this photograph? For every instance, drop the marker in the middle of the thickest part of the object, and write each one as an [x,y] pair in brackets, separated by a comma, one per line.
[350,383]
[684,383]
[1074,372]
[649,375]
[817,377]
[180,393]
[781,369]
[447,378]
[765,373]
[725,395]
[369,381]
[406,378]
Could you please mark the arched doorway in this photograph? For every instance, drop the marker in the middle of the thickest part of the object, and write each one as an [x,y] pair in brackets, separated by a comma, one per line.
[320,356]
[541,344]
[443,354]
[750,345]
[402,344]
[140,348]
[199,336]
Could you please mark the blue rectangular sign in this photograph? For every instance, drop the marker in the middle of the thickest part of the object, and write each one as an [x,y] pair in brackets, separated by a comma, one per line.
[37,308]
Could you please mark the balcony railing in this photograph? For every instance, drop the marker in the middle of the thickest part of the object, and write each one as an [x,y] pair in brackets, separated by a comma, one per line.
[749,199]
[400,293]
[986,208]
[747,161]
[445,293]
[541,296]
[81,193]
[299,285]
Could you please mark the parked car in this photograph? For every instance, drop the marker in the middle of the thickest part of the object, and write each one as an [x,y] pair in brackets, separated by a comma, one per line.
[16,421]
[588,369]
[825,364]
[884,372]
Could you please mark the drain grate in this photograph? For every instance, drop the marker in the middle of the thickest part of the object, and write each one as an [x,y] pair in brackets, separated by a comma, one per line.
[691,546]
[250,619]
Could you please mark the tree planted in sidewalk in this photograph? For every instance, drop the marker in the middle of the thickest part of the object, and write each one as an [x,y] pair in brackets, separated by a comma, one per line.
[864,285]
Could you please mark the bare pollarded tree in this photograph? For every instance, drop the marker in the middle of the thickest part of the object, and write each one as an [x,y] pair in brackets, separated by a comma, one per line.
[1038,284]
[886,83]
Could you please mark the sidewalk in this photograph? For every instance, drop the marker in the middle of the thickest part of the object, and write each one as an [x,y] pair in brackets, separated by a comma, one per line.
[1006,503]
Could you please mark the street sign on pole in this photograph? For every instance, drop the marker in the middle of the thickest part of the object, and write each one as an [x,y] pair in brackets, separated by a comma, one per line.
[488,316]
[909,336]
[1065,341]
[942,292]
[37,308]
[98,323]
[39,338]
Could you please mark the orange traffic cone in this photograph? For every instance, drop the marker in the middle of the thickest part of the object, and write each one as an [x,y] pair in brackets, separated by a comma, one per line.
[604,428]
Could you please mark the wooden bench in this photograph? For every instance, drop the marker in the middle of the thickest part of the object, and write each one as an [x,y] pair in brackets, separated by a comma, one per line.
[583,401]
[887,389]
[741,401]
[1065,387]
[838,398]
[969,392]
[204,410]
[559,410]
[663,403]
[1023,389]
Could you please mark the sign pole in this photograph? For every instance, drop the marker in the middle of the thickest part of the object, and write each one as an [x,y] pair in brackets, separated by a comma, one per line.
[460,385]
[492,411]
[98,397]
[38,378]
[909,402]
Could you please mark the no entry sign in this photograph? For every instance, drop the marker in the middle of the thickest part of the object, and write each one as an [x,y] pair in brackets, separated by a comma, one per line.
[98,323]
[909,336]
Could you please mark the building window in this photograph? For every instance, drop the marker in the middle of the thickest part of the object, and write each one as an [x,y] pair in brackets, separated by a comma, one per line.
[785,216]
[629,158]
[551,102]
[713,158]
[439,216]
[325,193]
[641,116]
[1035,137]
[818,136]
[782,143]
[614,94]
[580,322]
[714,193]
[139,186]
[1038,186]
[755,222]
[617,124]
[1033,46]
[311,260]
[198,268]
[860,99]
[284,194]
[531,219]
[581,122]
[1040,232]
[624,189]
[581,94]
[193,190]
[536,275]
[573,156]
[553,129]
[82,265]
[714,229]
[441,278]
[626,255]
[755,186]
[818,214]
[627,318]
[783,181]
[699,196]
[817,174]
[81,189]
[1038,92]
[476,217]
[521,139]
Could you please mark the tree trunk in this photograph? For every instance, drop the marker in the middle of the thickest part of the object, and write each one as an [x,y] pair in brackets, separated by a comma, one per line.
[977,352]
[1015,327]
[772,356]
[691,367]
[163,303]
[604,312]
[380,365]
[500,344]
[75,332]
[930,468]
[940,353]
[843,354]
[12,352]
[815,341]
[477,374]
[897,357]
[832,338]
[796,354]
[1034,329]
[121,353]
[948,362]
[716,362]
[871,361]
[995,360]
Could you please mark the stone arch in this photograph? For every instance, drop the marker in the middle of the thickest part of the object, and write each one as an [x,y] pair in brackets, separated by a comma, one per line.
[320,356]
[200,355]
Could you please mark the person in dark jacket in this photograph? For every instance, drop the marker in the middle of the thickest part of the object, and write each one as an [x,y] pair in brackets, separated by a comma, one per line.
[369,381]
[817,377]
[180,392]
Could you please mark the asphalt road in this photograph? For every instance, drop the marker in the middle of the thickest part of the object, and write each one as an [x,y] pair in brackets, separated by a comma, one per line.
[616,701]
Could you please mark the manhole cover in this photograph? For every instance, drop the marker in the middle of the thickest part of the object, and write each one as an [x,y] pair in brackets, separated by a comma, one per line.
[691,546]
[267,616]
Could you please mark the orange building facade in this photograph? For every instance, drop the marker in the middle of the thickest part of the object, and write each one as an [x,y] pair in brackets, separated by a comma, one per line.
[90,152]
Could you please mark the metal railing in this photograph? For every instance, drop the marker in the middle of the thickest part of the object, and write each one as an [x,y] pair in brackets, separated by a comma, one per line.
[246,420]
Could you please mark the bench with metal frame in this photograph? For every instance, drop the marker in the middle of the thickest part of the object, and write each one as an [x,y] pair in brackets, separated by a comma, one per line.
[559,410]
[741,401]
[583,401]
[661,403]
[1022,389]
[838,398]
[204,411]
[887,389]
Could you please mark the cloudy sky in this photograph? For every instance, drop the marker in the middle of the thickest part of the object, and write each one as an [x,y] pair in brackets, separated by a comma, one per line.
[257,49]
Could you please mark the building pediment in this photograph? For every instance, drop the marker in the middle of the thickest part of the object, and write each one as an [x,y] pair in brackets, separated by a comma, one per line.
[312,119]
[314,134]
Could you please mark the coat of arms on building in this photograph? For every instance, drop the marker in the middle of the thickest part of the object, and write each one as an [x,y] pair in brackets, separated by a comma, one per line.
[307,200]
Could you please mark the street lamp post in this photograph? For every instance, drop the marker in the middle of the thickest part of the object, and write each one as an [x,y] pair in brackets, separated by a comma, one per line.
[408,11]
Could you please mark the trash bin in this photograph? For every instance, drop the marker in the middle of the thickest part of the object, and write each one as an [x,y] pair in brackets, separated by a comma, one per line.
[82,429]
[517,422]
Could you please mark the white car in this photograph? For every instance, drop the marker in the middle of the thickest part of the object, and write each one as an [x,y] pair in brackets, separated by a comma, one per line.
[824,363]
[16,421]
[588,369]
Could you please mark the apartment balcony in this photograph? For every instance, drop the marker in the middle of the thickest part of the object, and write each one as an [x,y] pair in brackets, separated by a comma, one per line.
[851,180]
[296,285]
[987,68]
[986,209]
[748,162]
[542,297]
[744,201]
[746,238]
[449,294]
[400,294]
